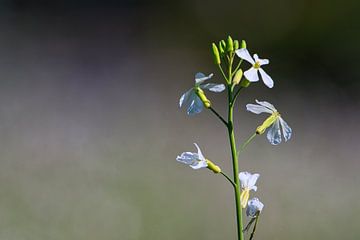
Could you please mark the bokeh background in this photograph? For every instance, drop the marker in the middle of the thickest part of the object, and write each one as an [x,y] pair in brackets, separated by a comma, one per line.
[90,125]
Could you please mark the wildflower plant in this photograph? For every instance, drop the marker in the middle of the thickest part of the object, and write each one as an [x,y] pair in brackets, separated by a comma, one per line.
[228,57]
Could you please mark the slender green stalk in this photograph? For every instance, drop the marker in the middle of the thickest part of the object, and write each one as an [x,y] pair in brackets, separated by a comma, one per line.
[229,179]
[254,229]
[219,116]
[243,146]
[236,95]
[222,72]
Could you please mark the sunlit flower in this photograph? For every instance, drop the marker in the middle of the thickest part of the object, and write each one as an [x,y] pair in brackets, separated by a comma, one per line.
[254,207]
[194,160]
[273,122]
[256,62]
[248,182]
[191,99]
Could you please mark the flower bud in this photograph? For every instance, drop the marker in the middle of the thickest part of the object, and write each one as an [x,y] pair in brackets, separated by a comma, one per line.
[245,83]
[223,44]
[237,77]
[213,167]
[216,54]
[229,44]
[236,44]
[267,123]
[221,49]
[200,93]
[243,44]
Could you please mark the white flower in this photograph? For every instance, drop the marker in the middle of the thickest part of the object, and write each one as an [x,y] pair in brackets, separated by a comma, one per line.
[252,73]
[195,105]
[254,207]
[273,122]
[248,182]
[194,160]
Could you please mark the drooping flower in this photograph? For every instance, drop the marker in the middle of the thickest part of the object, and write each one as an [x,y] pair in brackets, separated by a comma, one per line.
[197,160]
[191,97]
[247,181]
[254,207]
[273,122]
[256,62]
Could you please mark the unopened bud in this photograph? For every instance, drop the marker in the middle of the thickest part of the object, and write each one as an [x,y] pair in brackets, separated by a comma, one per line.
[267,123]
[236,44]
[245,83]
[216,54]
[223,44]
[229,44]
[213,167]
[237,77]
[221,48]
[243,44]
[200,93]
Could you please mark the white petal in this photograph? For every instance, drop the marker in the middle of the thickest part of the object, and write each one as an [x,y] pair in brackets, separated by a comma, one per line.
[252,75]
[185,98]
[244,179]
[254,205]
[286,130]
[263,61]
[200,78]
[196,106]
[213,87]
[274,133]
[243,53]
[252,181]
[266,78]
[199,165]
[201,156]
[187,158]
[257,109]
[266,104]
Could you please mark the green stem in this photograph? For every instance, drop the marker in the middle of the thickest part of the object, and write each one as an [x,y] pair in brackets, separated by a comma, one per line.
[254,229]
[234,156]
[229,179]
[219,116]
[222,72]
[243,146]
[236,95]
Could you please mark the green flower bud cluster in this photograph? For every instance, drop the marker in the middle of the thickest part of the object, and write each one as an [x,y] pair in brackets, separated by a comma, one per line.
[226,49]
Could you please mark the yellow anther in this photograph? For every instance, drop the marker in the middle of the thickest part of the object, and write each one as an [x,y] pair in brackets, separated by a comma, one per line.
[257,65]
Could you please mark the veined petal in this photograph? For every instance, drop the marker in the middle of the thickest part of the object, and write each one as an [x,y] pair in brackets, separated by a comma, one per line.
[243,53]
[187,158]
[252,74]
[286,130]
[196,106]
[252,181]
[257,109]
[266,104]
[200,155]
[184,99]
[274,133]
[200,78]
[213,87]
[254,206]
[263,61]
[244,178]
[266,78]
[199,165]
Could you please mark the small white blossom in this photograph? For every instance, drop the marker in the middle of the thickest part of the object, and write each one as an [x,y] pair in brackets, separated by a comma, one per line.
[274,132]
[195,105]
[254,207]
[194,160]
[256,62]
[248,182]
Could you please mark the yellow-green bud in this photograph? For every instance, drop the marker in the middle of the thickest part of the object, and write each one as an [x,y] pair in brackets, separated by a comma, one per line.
[267,123]
[223,44]
[243,44]
[229,44]
[200,93]
[213,167]
[237,77]
[236,44]
[245,83]
[222,51]
[216,54]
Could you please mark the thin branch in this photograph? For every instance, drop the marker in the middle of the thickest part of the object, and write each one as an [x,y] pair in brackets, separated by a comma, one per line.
[236,95]
[229,179]
[254,229]
[219,116]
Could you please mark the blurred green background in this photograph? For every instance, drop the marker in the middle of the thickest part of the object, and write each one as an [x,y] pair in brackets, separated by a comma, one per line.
[90,124]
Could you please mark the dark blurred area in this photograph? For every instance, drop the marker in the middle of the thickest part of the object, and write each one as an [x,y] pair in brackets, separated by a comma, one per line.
[91,127]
